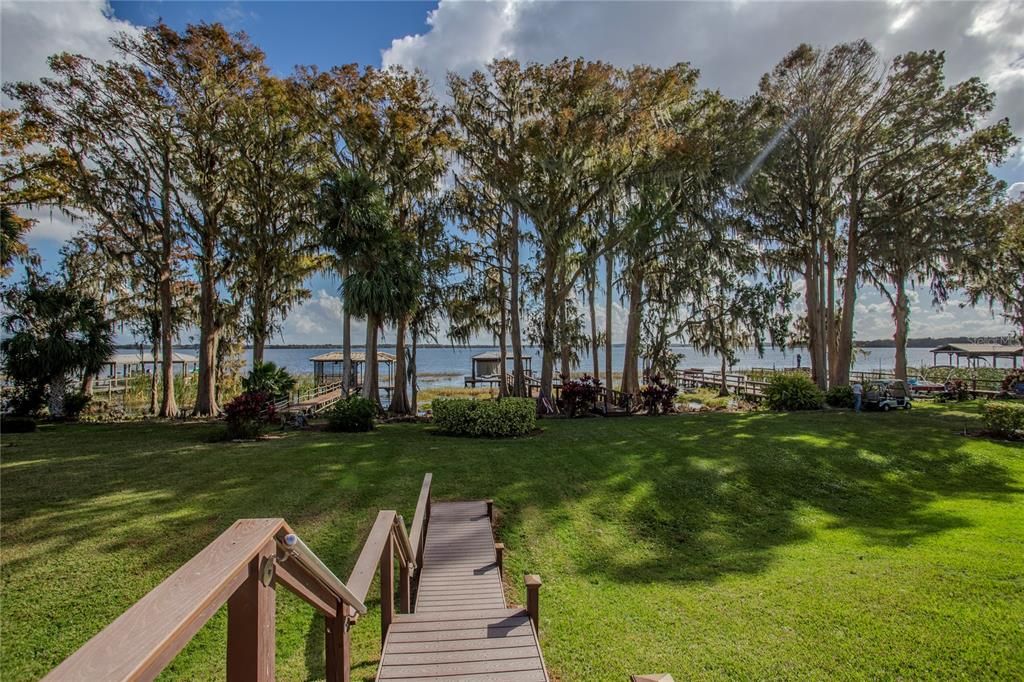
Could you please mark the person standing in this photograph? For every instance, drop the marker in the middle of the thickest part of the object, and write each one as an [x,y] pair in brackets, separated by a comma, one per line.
[858,395]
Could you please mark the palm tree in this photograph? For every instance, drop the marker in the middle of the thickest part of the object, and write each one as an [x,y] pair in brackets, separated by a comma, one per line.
[383,285]
[378,265]
[352,211]
[55,332]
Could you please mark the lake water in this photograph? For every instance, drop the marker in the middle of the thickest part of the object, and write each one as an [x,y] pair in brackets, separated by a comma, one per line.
[447,366]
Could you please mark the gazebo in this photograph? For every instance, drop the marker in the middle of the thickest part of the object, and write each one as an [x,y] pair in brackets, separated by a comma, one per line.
[975,352]
[130,364]
[329,368]
[487,365]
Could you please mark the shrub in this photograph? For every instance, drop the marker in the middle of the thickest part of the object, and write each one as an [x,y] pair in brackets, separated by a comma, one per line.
[249,413]
[17,425]
[355,414]
[579,395]
[792,391]
[1013,383]
[1004,418]
[487,418]
[658,395]
[839,396]
[74,404]
[266,377]
[956,389]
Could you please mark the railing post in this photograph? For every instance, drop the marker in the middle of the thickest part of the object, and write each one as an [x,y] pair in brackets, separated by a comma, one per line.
[387,588]
[499,549]
[251,622]
[490,510]
[533,584]
[405,588]
[338,645]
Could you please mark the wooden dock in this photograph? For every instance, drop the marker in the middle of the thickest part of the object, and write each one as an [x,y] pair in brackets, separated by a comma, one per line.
[461,628]
[737,384]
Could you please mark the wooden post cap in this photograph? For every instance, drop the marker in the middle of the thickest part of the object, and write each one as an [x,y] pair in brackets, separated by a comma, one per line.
[533,581]
[499,546]
[664,677]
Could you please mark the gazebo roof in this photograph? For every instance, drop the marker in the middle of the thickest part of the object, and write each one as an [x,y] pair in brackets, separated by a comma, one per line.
[338,356]
[147,357]
[496,355]
[980,349]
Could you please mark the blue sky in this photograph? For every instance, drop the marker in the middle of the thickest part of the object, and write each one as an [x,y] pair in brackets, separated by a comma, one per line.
[292,33]
[732,42]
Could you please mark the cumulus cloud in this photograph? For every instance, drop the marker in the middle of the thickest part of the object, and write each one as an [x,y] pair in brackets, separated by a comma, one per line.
[32,31]
[732,43]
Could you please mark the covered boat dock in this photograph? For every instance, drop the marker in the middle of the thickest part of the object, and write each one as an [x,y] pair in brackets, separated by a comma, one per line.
[977,353]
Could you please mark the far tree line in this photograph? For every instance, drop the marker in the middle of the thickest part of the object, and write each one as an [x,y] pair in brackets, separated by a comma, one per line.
[528,201]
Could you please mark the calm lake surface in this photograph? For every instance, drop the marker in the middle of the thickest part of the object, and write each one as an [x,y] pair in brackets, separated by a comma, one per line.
[447,366]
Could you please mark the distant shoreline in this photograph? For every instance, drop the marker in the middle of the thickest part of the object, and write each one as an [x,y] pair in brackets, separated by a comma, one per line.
[873,343]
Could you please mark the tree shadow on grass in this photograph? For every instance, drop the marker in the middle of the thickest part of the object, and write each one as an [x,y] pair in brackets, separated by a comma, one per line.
[704,496]
[725,491]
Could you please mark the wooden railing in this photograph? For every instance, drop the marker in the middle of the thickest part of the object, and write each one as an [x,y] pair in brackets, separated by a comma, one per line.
[736,383]
[242,568]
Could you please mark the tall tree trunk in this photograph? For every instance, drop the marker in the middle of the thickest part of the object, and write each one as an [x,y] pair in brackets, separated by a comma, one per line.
[822,346]
[565,353]
[168,404]
[87,381]
[518,371]
[816,342]
[502,324]
[630,378]
[592,294]
[548,324]
[370,366]
[58,386]
[609,274]
[346,339]
[831,332]
[901,315]
[206,398]
[258,344]
[414,388]
[154,335]
[724,387]
[399,395]
[844,345]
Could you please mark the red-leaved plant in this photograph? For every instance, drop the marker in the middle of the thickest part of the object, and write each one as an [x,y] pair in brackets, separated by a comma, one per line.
[579,395]
[658,395]
[249,413]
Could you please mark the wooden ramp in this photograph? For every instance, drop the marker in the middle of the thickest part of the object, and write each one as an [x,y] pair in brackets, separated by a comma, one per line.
[461,628]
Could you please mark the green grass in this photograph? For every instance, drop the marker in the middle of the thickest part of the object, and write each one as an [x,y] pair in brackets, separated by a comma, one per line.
[714,545]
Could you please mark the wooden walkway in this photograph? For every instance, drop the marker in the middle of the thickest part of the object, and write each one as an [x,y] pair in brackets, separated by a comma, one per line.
[461,628]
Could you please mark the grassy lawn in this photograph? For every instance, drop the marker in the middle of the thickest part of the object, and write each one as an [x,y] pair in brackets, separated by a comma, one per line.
[712,545]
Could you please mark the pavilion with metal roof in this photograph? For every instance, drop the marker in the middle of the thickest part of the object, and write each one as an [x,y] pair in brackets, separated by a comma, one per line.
[329,368]
[977,352]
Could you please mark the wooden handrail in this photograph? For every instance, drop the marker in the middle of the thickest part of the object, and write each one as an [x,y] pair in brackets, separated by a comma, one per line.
[241,568]
[144,639]
[420,518]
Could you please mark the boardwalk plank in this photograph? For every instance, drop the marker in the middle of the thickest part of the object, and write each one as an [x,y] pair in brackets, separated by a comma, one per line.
[460,628]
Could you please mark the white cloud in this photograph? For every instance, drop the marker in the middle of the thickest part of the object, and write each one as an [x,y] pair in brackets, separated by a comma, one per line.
[33,31]
[732,43]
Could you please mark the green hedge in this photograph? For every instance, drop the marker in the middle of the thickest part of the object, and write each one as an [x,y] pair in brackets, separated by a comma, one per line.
[1005,418]
[793,391]
[353,415]
[839,396]
[487,418]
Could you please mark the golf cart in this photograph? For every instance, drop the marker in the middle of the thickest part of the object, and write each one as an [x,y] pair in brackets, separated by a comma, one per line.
[886,395]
